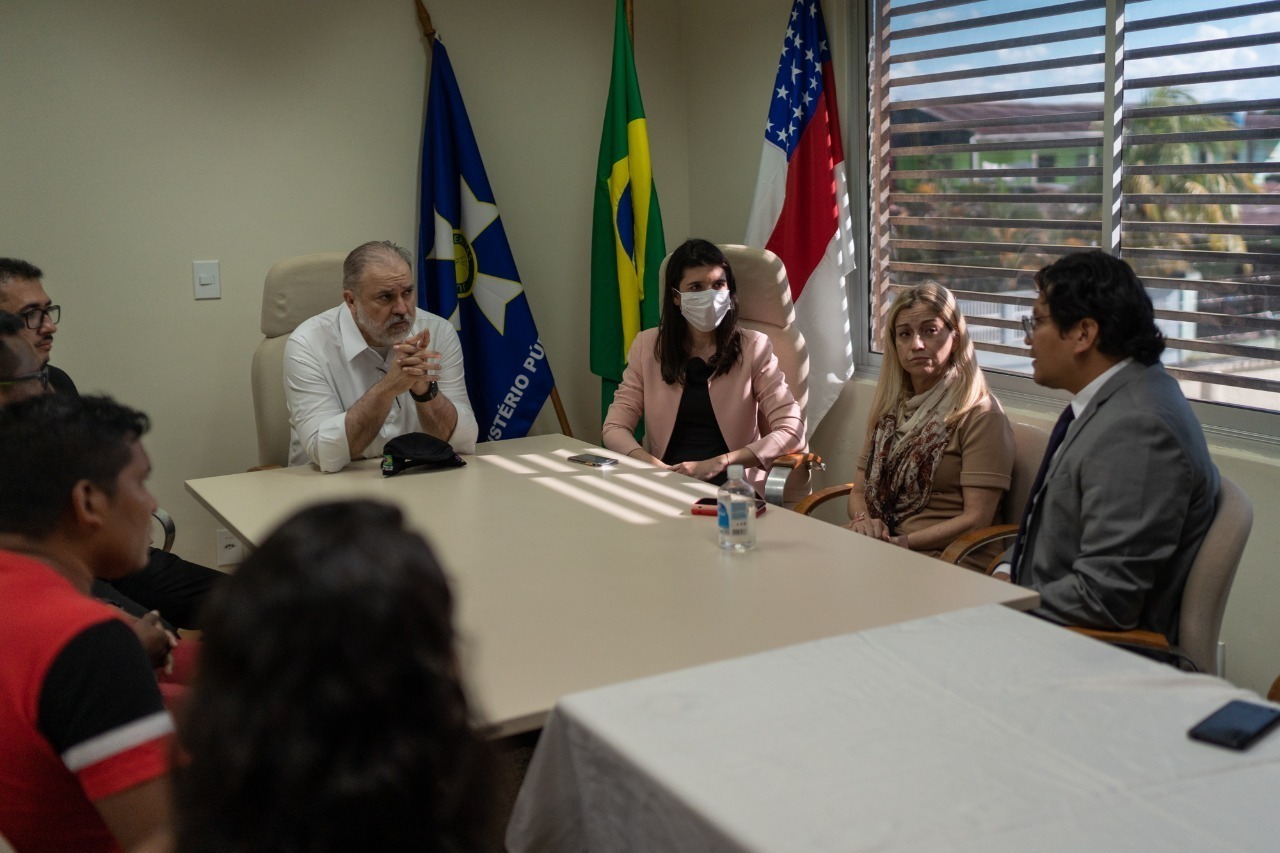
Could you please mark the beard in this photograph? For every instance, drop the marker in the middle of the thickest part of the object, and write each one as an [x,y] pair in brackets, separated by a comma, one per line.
[384,334]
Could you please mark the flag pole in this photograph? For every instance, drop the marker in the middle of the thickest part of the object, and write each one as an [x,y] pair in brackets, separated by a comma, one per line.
[424,18]
[560,413]
[631,22]
[429,32]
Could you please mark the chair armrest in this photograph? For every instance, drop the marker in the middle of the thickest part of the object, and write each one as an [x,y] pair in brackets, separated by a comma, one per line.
[964,545]
[775,484]
[1132,637]
[166,523]
[1149,644]
[818,498]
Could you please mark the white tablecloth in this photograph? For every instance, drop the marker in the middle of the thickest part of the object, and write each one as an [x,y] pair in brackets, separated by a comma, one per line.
[982,729]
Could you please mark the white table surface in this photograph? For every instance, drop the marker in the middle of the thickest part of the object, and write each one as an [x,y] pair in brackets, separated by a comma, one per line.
[982,729]
[569,578]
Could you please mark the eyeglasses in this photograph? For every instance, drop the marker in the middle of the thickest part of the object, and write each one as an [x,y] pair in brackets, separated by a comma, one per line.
[1030,321]
[42,375]
[34,317]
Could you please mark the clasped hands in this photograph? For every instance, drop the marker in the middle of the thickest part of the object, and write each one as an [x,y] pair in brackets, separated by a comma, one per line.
[157,641]
[867,526]
[414,366]
[703,470]
[876,529]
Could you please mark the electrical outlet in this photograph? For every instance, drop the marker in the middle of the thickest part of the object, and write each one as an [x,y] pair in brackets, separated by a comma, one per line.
[230,549]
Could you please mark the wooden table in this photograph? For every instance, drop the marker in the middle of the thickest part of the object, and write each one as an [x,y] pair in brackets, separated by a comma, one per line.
[569,578]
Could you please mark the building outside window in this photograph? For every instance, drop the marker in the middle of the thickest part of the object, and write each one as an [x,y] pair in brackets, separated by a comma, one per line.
[1006,133]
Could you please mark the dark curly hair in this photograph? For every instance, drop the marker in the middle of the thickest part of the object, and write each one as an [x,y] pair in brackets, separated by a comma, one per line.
[672,349]
[1098,286]
[12,269]
[327,713]
[51,442]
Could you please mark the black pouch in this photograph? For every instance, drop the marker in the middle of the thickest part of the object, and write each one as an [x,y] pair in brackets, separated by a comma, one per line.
[418,450]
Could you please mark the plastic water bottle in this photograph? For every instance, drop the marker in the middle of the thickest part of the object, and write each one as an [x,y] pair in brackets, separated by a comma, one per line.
[736,512]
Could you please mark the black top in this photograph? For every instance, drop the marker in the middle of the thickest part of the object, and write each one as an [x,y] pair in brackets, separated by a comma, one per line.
[61,382]
[696,434]
[98,683]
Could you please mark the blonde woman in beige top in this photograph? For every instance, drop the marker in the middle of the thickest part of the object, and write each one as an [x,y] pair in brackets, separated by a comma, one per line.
[939,450]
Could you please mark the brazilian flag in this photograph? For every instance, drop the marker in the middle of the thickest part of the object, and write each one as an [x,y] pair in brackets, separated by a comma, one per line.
[627,246]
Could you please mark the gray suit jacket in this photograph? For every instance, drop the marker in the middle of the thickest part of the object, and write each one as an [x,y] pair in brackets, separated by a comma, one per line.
[1123,509]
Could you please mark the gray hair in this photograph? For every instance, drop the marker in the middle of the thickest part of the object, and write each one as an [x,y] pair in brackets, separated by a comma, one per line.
[366,255]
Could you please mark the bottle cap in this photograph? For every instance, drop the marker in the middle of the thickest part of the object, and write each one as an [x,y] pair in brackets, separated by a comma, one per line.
[735,472]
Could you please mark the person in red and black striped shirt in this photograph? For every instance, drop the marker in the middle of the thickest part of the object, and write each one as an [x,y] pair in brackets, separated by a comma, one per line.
[83,733]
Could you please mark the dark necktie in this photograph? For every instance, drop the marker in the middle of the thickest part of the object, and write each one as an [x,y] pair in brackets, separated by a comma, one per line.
[1055,441]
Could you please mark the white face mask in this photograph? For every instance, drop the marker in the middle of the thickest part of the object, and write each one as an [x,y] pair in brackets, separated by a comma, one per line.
[705,309]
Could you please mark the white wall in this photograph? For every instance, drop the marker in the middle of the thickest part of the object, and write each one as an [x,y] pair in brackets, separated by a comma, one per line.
[142,134]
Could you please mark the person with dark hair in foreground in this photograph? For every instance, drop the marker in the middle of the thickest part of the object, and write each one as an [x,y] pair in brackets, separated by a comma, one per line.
[83,755]
[1127,490]
[711,392]
[327,712]
[169,584]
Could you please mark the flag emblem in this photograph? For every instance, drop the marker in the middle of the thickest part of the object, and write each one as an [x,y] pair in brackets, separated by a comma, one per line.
[467,273]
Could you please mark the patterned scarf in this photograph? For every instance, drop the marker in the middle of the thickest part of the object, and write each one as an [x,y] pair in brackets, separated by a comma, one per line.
[906,446]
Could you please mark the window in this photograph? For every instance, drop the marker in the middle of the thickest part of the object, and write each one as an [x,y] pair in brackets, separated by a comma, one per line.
[993,127]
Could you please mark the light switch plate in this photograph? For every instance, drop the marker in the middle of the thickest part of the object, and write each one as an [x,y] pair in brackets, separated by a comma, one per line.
[206,279]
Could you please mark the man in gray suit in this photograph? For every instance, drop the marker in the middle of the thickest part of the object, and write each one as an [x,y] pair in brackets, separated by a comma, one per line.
[1126,495]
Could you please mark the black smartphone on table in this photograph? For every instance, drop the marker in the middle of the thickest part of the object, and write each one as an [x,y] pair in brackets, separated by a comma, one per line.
[591,460]
[1236,725]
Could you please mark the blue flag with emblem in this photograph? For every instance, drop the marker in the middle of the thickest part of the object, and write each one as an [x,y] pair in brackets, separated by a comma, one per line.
[467,274]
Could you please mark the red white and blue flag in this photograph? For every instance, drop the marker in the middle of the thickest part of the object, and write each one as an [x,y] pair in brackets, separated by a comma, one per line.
[801,206]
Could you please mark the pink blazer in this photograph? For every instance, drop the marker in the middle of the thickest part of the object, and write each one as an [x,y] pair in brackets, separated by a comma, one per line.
[752,403]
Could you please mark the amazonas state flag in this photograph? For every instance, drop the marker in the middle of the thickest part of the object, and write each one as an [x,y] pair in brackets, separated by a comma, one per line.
[627,245]
[467,273]
[801,206]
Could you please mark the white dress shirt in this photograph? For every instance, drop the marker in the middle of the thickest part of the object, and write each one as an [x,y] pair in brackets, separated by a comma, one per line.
[328,366]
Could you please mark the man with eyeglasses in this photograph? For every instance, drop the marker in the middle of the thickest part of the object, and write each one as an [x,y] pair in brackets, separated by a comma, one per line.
[22,294]
[169,584]
[1126,491]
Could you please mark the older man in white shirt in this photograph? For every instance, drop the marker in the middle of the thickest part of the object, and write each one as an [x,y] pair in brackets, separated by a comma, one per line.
[373,368]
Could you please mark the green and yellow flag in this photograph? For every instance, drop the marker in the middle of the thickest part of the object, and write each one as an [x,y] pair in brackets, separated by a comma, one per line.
[627,245]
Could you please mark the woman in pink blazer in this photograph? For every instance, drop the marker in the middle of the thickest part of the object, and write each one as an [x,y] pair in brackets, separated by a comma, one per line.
[711,393]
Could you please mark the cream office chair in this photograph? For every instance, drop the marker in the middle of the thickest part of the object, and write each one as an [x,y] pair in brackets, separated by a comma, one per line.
[1204,598]
[764,305]
[295,289]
